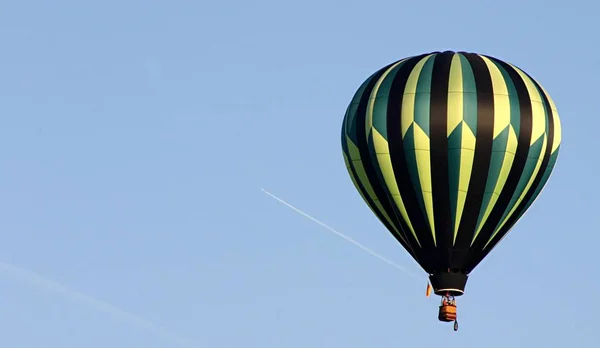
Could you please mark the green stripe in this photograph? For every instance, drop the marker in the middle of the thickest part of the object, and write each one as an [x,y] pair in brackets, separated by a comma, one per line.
[395,215]
[454,151]
[411,163]
[469,95]
[533,157]
[546,171]
[515,110]
[499,145]
[348,118]
[421,118]
[545,178]
[533,198]
[381,101]
[455,138]
[498,153]
[345,131]
[551,160]
[361,188]
[351,113]
[423,96]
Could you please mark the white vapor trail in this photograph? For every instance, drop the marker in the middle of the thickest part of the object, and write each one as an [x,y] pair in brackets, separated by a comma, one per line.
[370,251]
[50,285]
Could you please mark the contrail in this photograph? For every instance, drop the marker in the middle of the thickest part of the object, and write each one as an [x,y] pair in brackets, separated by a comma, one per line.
[370,251]
[47,284]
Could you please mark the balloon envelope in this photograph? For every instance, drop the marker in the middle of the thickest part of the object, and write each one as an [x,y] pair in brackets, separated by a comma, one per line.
[449,149]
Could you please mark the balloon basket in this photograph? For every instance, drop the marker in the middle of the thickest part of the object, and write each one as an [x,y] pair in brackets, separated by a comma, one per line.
[447,313]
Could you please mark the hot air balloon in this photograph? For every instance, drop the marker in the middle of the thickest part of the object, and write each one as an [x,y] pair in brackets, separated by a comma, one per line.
[449,149]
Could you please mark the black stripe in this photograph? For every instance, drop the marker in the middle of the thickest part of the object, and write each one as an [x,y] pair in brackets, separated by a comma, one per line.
[367,160]
[404,231]
[365,195]
[438,121]
[524,138]
[545,159]
[346,129]
[399,222]
[428,257]
[481,159]
[372,204]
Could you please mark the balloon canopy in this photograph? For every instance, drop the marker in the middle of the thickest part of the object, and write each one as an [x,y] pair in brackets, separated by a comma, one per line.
[449,149]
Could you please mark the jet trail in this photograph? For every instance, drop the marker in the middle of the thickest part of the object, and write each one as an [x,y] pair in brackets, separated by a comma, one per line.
[370,251]
[50,285]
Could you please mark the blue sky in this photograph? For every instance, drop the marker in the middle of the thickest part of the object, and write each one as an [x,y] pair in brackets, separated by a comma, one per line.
[135,137]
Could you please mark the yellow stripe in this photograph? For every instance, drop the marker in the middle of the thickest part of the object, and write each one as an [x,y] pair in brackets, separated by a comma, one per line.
[424,171]
[421,140]
[455,95]
[538,120]
[354,181]
[372,98]
[455,117]
[387,170]
[467,155]
[557,131]
[501,100]
[378,141]
[550,100]
[509,157]
[356,162]
[408,99]
[538,130]
[525,191]
[501,121]
[556,121]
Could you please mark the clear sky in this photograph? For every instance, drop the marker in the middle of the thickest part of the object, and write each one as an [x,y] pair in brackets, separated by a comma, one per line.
[135,137]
